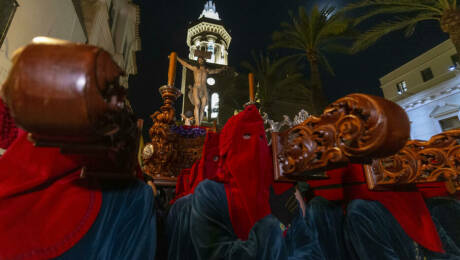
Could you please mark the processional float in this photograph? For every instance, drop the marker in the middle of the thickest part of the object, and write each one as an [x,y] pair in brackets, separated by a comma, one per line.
[357,128]
[80,108]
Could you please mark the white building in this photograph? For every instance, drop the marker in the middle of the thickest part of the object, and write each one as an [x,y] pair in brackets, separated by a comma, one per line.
[53,18]
[428,88]
[110,24]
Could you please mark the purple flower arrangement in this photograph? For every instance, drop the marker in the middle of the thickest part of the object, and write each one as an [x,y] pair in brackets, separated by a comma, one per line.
[188,131]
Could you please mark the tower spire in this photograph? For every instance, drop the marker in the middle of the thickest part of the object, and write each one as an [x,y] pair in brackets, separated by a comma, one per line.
[209,11]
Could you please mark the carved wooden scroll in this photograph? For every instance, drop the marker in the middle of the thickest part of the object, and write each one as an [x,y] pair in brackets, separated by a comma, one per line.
[67,95]
[355,128]
[419,162]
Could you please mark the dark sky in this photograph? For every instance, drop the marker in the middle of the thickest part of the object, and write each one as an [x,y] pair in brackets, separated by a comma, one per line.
[164,28]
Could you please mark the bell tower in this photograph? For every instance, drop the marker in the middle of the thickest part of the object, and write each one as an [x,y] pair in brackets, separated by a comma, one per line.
[206,37]
[208,32]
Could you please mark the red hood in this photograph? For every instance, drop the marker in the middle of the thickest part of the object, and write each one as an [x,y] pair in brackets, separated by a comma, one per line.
[247,169]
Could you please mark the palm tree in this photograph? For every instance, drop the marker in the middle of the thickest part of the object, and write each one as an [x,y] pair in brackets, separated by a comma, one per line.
[312,35]
[234,94]
[281,88]
[410,13]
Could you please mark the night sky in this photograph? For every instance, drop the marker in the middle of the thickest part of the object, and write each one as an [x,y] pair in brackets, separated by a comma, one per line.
[250,23]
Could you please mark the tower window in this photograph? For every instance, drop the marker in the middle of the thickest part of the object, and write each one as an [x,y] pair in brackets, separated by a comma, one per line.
[427,74]
[401,87]
[214,105]
[211,47]
[211,81]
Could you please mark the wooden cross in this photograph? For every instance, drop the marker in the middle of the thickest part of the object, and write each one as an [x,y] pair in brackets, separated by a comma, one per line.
[203,53]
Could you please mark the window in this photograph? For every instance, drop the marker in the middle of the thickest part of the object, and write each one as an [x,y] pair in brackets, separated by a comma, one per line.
[211,81]
[401,87]
[454,59]
[450,123]
[214,105]
[205,112]
[427,74]
[125,46]
[7,9]
[211,47]
[111,14]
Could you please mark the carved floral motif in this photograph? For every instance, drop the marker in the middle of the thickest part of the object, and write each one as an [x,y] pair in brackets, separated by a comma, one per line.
[419,162]
[354,128]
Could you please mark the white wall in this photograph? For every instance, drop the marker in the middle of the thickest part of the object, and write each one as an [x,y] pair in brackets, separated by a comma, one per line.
[423,126]
[423,100]
[53,18]
[438,59]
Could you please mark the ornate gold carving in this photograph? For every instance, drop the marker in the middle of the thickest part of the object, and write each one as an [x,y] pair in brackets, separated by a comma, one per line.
[162,144]
[419,162]
[168,152]
[355,128]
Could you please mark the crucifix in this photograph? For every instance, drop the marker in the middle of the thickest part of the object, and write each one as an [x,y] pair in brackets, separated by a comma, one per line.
[198,94]
[203,53]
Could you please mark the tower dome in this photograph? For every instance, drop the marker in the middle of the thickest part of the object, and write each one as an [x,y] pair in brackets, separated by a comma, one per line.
[209,11]
[208,37]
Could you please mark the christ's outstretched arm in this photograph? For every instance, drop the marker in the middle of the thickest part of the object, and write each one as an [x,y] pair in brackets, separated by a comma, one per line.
[185,64]
[216,71]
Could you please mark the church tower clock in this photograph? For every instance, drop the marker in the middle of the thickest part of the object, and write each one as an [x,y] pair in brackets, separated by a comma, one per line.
[206,37]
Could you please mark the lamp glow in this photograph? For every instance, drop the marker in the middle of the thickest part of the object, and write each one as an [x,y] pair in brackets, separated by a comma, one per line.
[211,81]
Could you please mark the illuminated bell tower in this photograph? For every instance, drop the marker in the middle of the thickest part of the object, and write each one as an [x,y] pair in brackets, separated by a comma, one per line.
[206,37]
[208,32]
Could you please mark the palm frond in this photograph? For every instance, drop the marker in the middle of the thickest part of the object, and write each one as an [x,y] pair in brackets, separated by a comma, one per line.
[429,5]
[317,31]
[371,36]
[334,47]
[325,63]
[391,10]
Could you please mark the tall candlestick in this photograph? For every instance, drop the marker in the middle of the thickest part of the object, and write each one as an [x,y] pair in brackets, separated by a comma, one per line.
[251,87]
[172,69]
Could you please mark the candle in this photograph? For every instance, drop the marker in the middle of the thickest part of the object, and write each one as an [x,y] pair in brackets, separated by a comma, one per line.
[251,87]
[172,69]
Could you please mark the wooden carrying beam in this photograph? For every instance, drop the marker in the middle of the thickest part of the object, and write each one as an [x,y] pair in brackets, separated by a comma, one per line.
[67,95]
[355,128]
[420,162]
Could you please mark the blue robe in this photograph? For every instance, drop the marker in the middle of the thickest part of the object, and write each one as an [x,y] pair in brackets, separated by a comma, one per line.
[373,233]
[446,216]
[125,227]
[199,227]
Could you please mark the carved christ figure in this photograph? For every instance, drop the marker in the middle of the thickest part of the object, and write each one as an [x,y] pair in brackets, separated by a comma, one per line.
[198,94]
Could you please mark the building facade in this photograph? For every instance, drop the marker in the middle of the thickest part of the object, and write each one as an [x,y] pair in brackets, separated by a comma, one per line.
[207,37]
[53,18]
[109,24]
[428,88]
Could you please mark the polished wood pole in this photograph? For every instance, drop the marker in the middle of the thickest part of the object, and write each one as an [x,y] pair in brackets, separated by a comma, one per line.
[251,87]
[172,69]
